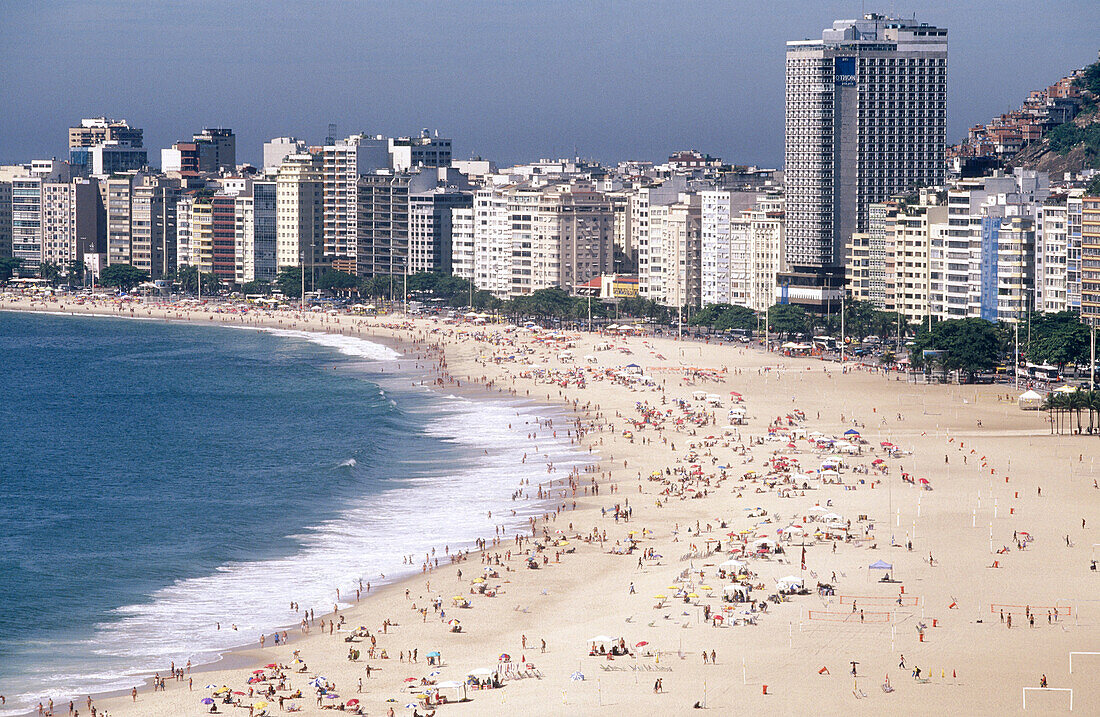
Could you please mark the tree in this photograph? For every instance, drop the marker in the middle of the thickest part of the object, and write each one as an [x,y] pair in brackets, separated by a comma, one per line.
[123,276]
[50,271]
[969,346]
[289,281]
[788,319]
[1058,339]
[336,281]
[256,287]
[723,317]
[188,278]
[74,270]
[8,266]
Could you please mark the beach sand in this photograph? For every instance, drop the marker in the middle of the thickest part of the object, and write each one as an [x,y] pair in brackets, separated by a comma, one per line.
[973,663]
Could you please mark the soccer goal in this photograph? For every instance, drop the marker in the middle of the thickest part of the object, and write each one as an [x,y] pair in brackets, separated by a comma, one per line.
[1078,653]
[1049,689]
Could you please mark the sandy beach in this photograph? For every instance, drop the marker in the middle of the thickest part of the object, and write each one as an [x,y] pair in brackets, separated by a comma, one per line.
[985,519]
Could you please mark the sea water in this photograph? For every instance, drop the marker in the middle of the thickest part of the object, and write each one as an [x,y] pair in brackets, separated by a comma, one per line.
[160,480]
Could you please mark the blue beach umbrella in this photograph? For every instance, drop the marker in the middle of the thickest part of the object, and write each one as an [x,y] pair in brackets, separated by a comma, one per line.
[207,700]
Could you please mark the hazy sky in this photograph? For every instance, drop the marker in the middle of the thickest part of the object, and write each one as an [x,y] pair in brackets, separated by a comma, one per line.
[511,81]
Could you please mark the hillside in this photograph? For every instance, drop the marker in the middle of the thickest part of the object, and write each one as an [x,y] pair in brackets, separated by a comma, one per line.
[1074,145]
[1069,148]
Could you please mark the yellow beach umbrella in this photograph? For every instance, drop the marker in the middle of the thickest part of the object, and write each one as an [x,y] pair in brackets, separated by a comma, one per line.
[706,587]
[693,595]
[479,580]
[661,597]
[673,587]
[259,705]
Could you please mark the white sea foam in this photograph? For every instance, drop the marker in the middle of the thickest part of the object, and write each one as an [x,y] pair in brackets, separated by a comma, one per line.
[347,345]
[367,540]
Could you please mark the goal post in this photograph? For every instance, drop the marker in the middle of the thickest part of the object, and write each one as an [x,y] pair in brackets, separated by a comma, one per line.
[1078,653]
[1049,689]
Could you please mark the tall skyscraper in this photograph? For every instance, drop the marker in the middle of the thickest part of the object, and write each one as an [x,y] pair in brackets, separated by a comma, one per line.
[866,113]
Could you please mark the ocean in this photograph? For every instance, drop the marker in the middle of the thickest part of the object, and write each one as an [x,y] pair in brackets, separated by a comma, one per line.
[158,479]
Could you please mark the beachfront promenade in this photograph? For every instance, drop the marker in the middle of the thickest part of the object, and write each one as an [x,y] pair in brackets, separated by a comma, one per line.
[740,559]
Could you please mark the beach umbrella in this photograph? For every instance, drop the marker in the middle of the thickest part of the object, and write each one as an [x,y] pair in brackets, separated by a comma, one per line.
[210,687]
[221,689]
[411,706]
[410,679]
[433,654]
[504,657]
[207,700]
[332,696]
[479,580]
[693,595]
[577,677]
[257,672]
[271,666]
[437,673]
[238,693]
[706,587]
[259,705]
[643,643]
[661,597]
[352,703]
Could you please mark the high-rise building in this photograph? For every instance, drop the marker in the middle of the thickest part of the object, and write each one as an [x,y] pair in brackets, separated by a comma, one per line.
[278,149]
[573,238]
[493,242]
[112,157]
[5,217]
[382,224]
[71,214]
[255,232]
[1090,260]
[408,153]
[153,230]
[431,231]
[299,212]
[343,164]
[96,131]
[463,244]
[865,119]
[211,150]
[681,245]
[117,197]
[212,242]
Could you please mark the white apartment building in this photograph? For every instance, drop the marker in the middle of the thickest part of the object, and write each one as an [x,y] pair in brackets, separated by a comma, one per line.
[342,165]
[650,252]
[741,249]
[492,242]
[299,212]
[462,243]
[681,252]
[1052,256]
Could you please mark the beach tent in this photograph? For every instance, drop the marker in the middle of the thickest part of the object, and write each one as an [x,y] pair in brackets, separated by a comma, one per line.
[880,565]
[732,564]
[852,432]
[790,582]
[1030,401]
[605,641]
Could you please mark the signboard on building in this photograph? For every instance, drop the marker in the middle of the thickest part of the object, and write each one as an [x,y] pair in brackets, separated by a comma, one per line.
[844,71]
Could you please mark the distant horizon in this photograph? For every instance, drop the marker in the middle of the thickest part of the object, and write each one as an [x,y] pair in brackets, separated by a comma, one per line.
[511,83]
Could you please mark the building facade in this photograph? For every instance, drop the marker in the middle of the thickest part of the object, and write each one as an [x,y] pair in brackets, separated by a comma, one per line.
[865,119]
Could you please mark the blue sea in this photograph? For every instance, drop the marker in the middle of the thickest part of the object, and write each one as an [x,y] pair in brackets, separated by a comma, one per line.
[157,479]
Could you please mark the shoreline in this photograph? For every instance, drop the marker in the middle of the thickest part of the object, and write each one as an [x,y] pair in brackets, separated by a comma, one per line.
[242,656]
[952,571]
